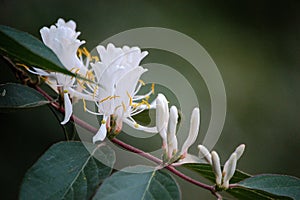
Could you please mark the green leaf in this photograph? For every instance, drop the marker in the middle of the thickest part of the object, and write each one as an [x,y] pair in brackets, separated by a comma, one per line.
[68,171]
[250,194]
[205,170]
[136,184]
[29,50]
[16,96]
[281,185]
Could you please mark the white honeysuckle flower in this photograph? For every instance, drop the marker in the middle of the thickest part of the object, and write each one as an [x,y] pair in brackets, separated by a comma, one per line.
[193,133]
[216,167]
[204,153]
[229,169]
[119,74]
[61,38]
[171,133]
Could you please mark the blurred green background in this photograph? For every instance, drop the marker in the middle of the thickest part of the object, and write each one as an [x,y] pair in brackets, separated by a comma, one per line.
[255,44]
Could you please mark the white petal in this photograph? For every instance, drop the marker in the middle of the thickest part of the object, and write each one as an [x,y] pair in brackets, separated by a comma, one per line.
[68,108]
[216,167]
[204,153]
[124,88]
[101,134]
[140,127]
[193,133]
[229,169]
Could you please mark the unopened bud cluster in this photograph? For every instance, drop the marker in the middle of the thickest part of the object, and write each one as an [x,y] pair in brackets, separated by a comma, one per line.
[222,177]
[166,122]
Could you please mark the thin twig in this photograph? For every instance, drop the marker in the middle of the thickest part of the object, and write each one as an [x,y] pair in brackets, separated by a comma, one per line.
[128,147]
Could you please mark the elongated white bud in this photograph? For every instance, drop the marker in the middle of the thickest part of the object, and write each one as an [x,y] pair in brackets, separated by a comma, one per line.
[216,167]
[229,169]
[204,153]
[193,133]
[68,108]
[239,151]
[162,117]
[171,136]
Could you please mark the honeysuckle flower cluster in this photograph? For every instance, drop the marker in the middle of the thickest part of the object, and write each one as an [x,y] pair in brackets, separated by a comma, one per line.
[114,86]
[119,74]
[115,78]
[222,177]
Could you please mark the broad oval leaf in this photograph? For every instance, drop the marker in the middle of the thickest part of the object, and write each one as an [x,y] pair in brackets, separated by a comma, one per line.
[151,185]
[16,96]
[29,50]
[243,193]
[67,171]
[281,185]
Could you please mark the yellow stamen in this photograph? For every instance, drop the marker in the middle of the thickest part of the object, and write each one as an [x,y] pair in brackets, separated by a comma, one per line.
[124,107]
[95,90]
[136,125]
[146,103]
[96,58]
[89,74]
[79,51]
[75,69]
[22,65]
[65,91]
[152,88]
[103,121]
[147,98]
[113,97]
[84,105]
[86,52]
[109,98]
[81,83]
[142,82]
[130,99]
[105,99]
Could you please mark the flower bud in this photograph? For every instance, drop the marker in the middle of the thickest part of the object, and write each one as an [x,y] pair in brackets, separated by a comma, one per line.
[162,117]
[204,153]
[229,169]
[239,151]
[171,136]
[216,167]
[193,133]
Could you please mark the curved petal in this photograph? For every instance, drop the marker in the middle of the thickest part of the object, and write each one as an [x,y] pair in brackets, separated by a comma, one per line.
[124,89]
[101,134]
[68,108]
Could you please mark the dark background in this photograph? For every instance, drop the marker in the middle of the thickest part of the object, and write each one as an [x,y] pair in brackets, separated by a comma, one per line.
[255,44]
